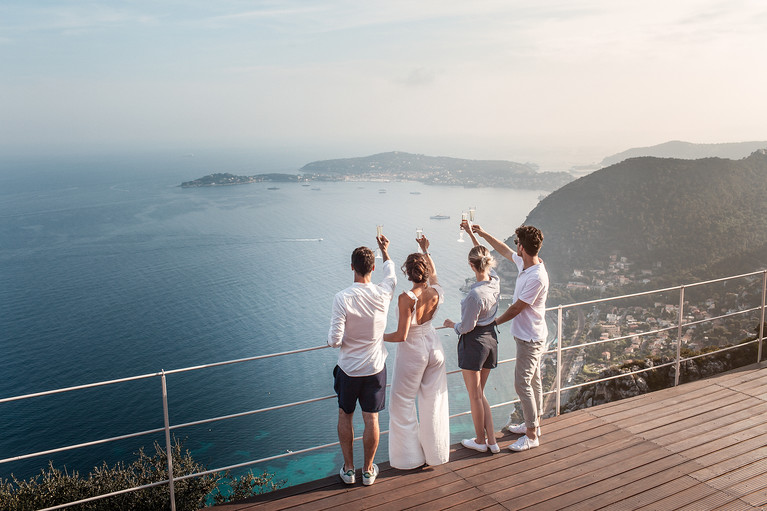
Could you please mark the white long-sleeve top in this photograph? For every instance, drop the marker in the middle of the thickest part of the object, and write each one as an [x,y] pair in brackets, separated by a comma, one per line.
[358,322]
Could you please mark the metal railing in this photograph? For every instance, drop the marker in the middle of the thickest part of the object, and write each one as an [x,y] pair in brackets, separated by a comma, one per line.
[558,388]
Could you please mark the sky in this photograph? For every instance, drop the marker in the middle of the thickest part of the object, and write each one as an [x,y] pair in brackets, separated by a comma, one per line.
[557,83]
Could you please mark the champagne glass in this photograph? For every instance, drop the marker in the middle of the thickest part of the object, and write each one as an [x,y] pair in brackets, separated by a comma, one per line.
[464,216]
[472,213]
[379,233]
[418,236]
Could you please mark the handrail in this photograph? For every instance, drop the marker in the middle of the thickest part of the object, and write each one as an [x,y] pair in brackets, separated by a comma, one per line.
[558,388]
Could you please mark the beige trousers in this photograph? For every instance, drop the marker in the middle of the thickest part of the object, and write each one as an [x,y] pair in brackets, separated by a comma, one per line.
[527,380]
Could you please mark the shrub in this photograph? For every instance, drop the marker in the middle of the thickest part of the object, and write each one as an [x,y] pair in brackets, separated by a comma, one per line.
[54,486]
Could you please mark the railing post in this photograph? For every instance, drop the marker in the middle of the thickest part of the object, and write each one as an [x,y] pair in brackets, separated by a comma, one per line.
[559,357]
[679,336]
[168,446]
[761,323]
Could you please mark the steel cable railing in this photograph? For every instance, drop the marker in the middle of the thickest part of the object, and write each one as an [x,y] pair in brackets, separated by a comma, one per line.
[558,388]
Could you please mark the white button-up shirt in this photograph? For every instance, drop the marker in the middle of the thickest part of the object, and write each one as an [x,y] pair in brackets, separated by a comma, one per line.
[358,322]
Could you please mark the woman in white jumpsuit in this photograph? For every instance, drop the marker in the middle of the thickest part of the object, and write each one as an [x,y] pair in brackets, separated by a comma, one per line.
[419,372]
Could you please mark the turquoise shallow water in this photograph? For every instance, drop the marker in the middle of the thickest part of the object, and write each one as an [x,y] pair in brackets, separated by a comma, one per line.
[108,269]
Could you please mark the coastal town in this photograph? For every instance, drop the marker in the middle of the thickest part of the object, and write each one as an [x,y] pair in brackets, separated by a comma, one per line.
[646,326]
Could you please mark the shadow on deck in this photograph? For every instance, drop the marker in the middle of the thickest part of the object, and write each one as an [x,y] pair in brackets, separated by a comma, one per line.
[702,445]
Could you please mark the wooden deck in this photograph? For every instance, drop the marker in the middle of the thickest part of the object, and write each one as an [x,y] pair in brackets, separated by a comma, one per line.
[699,446]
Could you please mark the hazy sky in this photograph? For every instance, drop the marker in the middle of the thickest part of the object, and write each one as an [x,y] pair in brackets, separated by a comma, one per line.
[536,80]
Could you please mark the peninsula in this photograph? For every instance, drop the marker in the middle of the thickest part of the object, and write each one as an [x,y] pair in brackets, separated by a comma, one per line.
[399,166]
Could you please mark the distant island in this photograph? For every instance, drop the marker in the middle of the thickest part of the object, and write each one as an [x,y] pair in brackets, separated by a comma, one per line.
[399,166]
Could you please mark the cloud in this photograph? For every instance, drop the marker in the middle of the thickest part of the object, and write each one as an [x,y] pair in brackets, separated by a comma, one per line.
[419,77]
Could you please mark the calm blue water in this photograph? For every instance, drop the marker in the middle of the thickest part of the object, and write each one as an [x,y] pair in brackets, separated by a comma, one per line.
[108,269]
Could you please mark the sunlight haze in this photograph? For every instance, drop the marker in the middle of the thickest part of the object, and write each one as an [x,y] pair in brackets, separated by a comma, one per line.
[556,83]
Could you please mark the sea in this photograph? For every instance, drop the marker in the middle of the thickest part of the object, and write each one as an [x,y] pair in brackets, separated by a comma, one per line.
[109,269]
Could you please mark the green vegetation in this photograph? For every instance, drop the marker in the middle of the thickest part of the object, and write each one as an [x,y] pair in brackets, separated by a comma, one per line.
[54,486]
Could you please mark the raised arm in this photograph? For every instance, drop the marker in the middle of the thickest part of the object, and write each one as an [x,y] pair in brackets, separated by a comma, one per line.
[499,246]
[465,226]
[405,309]
[424,244]
[383,244]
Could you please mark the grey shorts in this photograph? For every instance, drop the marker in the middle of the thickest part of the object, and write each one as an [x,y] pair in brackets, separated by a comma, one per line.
[478,349]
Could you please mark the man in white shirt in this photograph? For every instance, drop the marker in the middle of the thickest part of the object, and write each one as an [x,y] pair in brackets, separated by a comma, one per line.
[528,311]
[357,327]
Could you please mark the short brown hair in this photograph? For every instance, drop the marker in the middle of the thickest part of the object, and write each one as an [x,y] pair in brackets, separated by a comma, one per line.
[363,260]
[531,238]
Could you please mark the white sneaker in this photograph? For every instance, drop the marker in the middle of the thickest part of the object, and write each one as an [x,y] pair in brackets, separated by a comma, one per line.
[348,476]
[524,443]
[369,478]
[520,429]
[471,443]
[509,424]
[494,448]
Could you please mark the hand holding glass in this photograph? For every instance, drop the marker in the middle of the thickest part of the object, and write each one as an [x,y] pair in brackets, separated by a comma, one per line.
[464,217]
[379,233]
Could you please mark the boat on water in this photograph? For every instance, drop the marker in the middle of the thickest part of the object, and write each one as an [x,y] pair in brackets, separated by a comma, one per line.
[272,188]
[439,217]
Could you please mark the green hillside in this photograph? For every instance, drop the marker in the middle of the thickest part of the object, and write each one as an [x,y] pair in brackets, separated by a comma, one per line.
[670,215]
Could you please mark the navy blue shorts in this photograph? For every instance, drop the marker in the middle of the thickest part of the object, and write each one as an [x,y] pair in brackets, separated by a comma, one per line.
[370,391]
[478,349]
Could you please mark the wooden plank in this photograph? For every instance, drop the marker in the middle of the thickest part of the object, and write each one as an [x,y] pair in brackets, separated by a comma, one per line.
[757,498]
[741,429]
[422,497]
[718,501]
[697,493]
[743,480]
[620,492]
[658,428]
[545,455]
[484,502]
[653,494]
[470,498]
[730,459]
[533,470]
[654,402]
[539,490]
[617,480]
[725,402]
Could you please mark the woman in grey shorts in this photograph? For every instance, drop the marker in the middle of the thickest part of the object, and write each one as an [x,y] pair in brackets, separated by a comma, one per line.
[478,343]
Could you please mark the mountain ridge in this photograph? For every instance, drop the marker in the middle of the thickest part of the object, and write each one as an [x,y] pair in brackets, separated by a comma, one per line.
[676,215]
[688,150]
